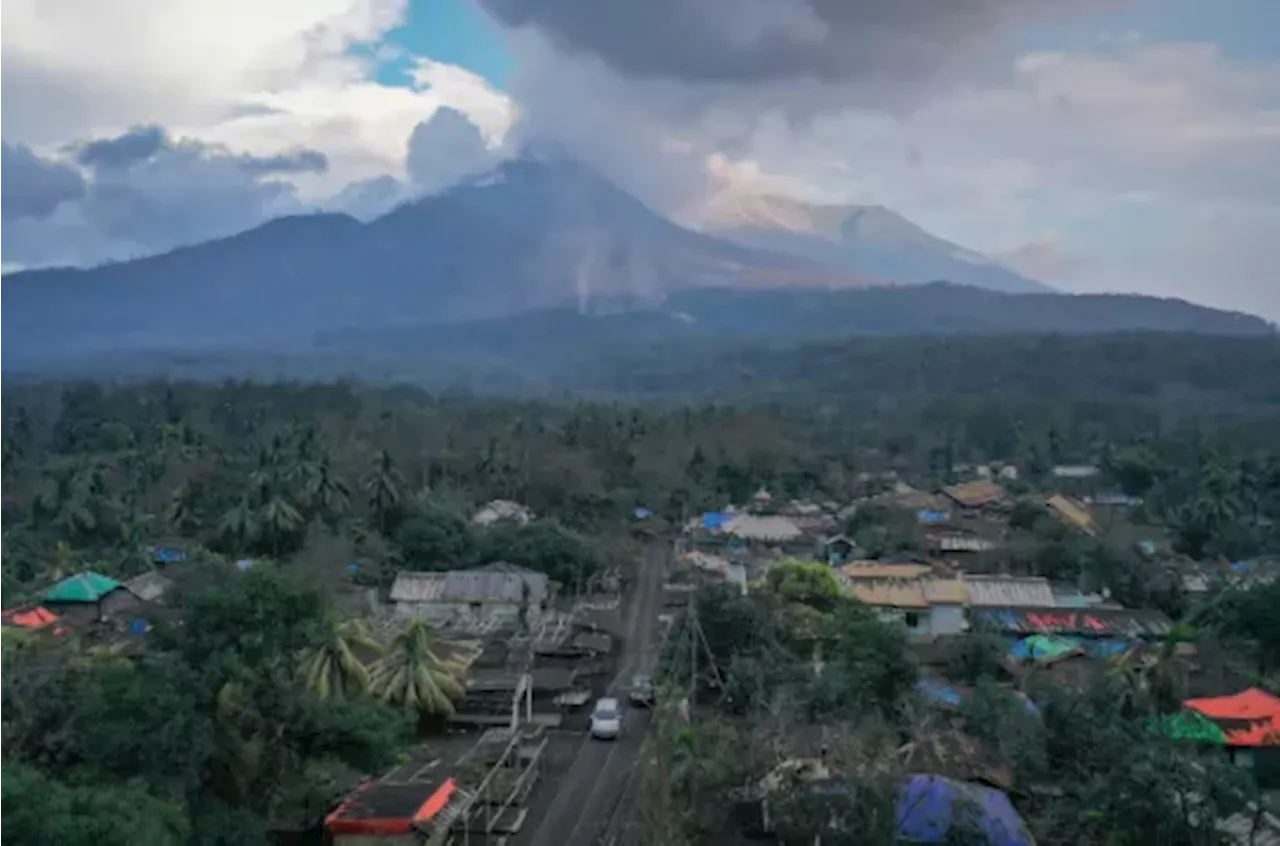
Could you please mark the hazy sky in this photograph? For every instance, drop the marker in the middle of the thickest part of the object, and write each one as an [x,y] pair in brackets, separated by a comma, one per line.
[1125,145]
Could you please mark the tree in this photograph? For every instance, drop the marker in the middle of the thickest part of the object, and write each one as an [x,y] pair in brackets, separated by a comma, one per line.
[414,676]
[39,809]
[334,667]
[383,485]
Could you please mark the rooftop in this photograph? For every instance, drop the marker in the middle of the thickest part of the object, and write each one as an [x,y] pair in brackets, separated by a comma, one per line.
[1032,591]
[482,585]
[975,494]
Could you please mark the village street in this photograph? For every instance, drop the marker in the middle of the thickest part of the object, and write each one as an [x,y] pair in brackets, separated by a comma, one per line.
[592,788]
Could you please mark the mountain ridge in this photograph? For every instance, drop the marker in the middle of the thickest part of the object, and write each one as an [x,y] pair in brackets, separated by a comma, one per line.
[866,239]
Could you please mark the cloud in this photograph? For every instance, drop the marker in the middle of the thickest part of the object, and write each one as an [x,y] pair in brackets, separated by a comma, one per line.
[141,192]
[188,125]
[446,148]
[136,145]
[751,41]
[34,187]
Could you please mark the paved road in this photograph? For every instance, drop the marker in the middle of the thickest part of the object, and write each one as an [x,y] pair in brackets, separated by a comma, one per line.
[591,788]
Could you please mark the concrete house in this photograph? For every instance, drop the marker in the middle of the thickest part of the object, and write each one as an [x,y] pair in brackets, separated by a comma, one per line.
[482,599]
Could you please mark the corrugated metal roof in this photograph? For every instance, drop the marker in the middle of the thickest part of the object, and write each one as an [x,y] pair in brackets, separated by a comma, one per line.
[975,494]
[468,586]
[998,591]
[149,586]
[771,528]
[890,593]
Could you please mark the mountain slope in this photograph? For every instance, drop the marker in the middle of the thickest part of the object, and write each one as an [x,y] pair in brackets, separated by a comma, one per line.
[868,240]
[532,234]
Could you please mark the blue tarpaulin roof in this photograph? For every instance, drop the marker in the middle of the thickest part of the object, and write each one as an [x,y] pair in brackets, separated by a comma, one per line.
[714,519]
[927,516]
[930,805]
[939,692]
[643,513]
[168,555]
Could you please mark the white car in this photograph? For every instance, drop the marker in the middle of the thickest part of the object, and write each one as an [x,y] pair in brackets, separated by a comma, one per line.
[606,719]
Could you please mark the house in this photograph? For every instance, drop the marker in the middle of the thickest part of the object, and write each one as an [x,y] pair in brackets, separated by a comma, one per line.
[483,599]
[1072,513]
[905,593]
[502,511]
[149,587]
[391,812]
[1250,724]
[973,495]
[1008,472]
[895,600]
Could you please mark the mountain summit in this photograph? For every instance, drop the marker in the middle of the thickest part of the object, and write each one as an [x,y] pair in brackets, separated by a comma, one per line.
[865,240]
[536,232]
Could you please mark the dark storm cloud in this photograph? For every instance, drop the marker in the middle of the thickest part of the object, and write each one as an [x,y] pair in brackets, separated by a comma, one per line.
[759,40]
[294,161]
[34,187]
[137,145]
[144,143]
[445,148]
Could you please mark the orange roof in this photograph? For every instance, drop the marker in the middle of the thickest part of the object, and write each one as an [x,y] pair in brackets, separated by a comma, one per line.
[1249,718]
[33,618]
[1074,513]
[890,593]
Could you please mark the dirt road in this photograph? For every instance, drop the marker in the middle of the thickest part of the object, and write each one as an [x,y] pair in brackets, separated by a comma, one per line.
[591,788]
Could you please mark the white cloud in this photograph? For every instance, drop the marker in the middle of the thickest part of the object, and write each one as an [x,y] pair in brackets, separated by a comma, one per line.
[249,77]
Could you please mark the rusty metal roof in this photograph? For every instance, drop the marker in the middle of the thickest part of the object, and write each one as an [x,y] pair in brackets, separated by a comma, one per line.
[882,570]
[975,494]
[890,593]
[1072,512]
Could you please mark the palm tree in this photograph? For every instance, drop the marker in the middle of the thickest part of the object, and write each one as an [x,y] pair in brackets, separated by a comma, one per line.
[239,526]
[383,486]
[278,522]
[326,493]
[413,675]
[333,668]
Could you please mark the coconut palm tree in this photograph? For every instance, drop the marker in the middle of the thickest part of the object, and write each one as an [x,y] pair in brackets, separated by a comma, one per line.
[383,485]
[412,673]
[333,669]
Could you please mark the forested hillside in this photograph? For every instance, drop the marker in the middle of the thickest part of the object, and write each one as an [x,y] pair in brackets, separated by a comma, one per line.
[259,693]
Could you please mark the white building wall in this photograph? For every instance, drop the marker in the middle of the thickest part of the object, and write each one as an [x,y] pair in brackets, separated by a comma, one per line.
[946,619]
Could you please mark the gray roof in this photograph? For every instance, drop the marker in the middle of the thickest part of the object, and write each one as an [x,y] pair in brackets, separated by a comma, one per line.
[469,586]
[149,587]
[1025,591]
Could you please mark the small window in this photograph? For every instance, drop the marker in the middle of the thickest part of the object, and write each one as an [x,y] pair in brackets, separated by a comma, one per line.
[477,607]
[912,619]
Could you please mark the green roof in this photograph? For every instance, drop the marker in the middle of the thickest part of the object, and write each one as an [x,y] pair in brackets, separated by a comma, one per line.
[83,587]
[1188,725]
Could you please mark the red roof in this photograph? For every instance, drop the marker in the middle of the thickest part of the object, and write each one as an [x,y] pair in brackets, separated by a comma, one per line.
[1248,718]
[362,812]
[31,618]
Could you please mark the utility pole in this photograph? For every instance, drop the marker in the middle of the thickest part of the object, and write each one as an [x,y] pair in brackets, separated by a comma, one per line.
[693,647]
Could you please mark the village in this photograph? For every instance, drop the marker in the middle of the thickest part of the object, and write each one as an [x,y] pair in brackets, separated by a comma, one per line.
[507,767]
